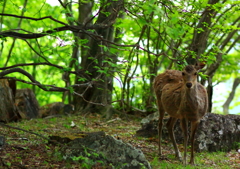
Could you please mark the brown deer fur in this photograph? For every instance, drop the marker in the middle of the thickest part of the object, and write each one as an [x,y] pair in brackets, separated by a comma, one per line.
[182,97]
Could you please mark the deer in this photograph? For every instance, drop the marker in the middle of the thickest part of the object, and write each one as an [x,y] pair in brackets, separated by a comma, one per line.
[181,96]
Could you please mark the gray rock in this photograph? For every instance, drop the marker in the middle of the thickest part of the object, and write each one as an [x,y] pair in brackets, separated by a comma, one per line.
[98,147]
[215,132]
[2,141]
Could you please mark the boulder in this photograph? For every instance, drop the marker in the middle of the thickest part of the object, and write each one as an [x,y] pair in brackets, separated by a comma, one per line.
[56,108]
[106,150]
[215,132]
[2,141]
[26,103]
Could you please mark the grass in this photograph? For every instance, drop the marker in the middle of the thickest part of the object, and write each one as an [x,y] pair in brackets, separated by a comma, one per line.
[202,160]
[24,150]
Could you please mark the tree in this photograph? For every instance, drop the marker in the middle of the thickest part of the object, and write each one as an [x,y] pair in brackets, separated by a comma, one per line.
[96,59]
[94,84]
[112,48]
[231,96]
[228,73]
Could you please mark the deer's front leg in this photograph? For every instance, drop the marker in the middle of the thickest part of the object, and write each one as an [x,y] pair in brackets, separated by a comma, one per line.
[184,125]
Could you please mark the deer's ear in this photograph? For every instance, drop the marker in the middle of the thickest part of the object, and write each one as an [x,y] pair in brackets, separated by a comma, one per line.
[199,65]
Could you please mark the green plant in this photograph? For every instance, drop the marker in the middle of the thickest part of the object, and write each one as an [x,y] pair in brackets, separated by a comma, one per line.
[85,162]
[236,145]
[9,164]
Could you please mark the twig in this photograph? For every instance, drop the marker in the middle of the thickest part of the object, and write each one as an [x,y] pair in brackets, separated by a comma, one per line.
[39,135]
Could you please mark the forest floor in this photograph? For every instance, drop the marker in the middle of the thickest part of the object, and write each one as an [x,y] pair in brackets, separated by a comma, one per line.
[24,150]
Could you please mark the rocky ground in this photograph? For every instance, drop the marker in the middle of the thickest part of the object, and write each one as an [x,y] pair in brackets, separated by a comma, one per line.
[25,150]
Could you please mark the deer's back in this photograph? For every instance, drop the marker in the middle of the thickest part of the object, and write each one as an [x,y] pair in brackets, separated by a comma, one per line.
[168,77]
[171,98]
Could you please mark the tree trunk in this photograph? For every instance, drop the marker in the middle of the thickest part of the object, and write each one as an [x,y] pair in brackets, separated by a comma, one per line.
[8,110]
[199,42]
[94,69]
[210,94]
[231,96]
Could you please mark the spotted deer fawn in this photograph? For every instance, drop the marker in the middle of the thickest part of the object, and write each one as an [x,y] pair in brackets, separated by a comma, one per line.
[182,97]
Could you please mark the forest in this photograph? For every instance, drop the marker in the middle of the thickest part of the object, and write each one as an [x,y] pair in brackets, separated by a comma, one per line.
[101,56]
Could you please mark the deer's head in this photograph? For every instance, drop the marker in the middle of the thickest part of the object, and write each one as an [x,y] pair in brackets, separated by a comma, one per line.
[189,75]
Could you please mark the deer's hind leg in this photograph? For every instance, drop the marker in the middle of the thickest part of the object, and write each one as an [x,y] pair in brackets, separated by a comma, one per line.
[170,125]
[160,125]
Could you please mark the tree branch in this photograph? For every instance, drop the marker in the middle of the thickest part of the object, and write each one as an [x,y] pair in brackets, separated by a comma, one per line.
[36,64]
[14,40]
[33,35]
[35,82]
[35,19]
[231,96]
[47,87]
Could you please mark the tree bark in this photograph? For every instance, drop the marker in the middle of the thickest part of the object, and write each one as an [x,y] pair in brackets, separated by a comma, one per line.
[210,94]
[231,96]
[8,110]
[93,64]
[201,33]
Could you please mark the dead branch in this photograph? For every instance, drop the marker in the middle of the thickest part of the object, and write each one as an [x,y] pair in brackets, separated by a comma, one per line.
[30,132]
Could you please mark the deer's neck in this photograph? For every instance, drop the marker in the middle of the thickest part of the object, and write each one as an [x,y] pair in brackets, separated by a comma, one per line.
[191,93]
[190,98]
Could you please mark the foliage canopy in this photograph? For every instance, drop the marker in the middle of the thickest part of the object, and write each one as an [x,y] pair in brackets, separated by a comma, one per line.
[108,52]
